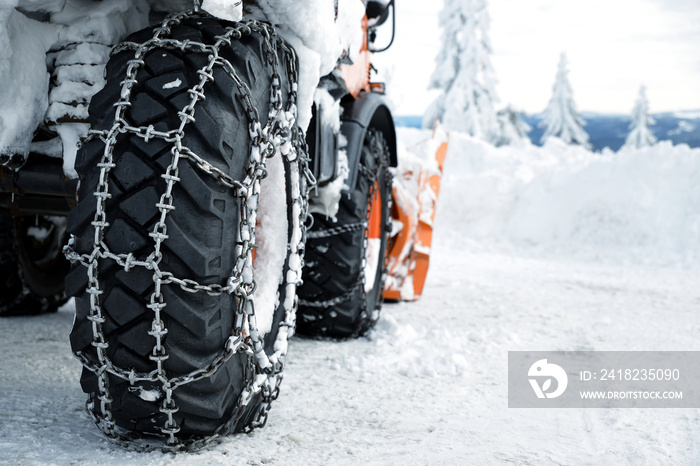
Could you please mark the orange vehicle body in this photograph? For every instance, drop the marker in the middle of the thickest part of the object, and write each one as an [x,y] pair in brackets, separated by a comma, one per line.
[357,74]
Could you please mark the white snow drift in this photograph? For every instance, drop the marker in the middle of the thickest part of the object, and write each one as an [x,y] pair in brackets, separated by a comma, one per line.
[638,205]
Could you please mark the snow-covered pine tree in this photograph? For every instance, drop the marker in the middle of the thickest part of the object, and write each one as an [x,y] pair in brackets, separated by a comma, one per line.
[513,130]
[561,119]
[640,134]
[464,73]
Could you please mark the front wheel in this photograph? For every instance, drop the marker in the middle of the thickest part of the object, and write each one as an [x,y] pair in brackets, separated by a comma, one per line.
[187,235]
[345,269]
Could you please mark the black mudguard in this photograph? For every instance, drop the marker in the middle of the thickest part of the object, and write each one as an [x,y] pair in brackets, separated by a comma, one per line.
[369,110]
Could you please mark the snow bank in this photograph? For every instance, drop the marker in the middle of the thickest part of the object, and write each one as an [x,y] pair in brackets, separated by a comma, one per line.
[638,206]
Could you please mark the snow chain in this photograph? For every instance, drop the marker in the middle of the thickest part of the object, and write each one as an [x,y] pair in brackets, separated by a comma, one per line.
[367,318]
[280,137]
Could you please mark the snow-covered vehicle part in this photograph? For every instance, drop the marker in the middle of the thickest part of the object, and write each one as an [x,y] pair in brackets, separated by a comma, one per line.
[415,196]
[52,57]
[345,265]
[192,202]
[344,275]
[32,267]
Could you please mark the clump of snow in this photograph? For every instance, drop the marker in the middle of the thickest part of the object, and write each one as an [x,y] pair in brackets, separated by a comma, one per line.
[77,75]
[81,53]
[271,241]
[329,109]
[372,253]
[147,395]
[23,77]
[231,10]
[38,233]
[71,134]
[639,205]
[350,33]
[100,22]
[311,28]
[325,199]
[173,85]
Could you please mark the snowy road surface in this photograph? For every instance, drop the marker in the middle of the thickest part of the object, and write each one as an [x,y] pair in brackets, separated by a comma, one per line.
[550,248]
[428,386]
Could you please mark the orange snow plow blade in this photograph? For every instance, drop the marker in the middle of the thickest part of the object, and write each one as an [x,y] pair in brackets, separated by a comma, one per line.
[415,195]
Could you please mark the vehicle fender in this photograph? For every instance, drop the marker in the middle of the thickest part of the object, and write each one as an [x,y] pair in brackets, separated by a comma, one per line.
[368,110]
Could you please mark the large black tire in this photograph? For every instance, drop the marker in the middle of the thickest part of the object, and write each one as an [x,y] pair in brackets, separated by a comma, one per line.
[341,296]
[32,265]
[203,234]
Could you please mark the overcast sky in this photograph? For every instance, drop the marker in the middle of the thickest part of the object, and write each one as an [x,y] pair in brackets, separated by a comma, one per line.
[613,47]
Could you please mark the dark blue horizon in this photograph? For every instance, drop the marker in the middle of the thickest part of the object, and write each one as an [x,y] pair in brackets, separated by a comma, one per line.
[608,130]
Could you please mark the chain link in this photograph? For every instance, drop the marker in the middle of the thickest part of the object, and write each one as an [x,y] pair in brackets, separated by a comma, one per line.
[279,137]
[369,317]
[329,303]
[335,231]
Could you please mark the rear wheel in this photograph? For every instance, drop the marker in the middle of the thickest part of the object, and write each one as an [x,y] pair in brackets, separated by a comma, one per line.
[344,271]
[180,333]
[32,265]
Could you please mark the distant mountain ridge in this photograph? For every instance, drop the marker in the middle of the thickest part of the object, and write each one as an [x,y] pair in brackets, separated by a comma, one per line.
[610,131]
